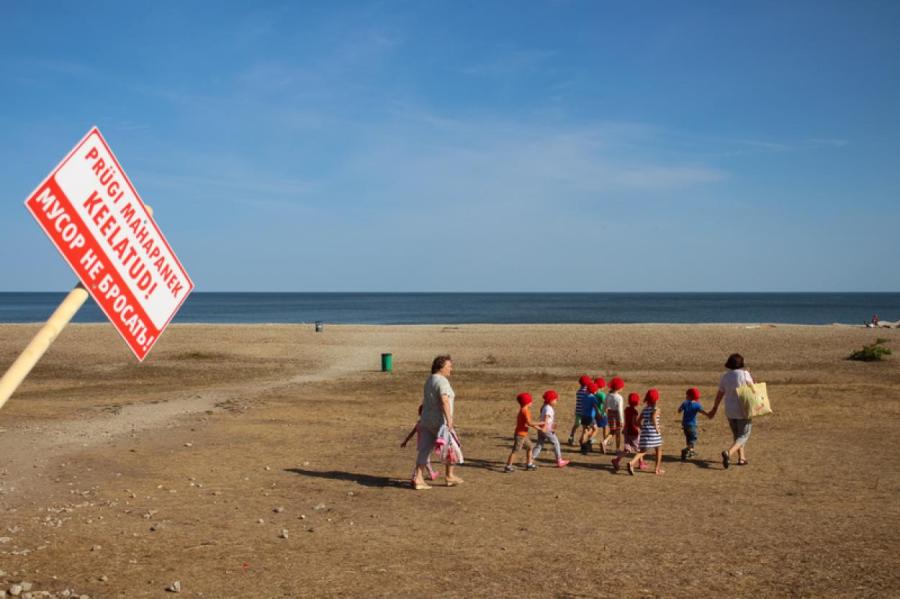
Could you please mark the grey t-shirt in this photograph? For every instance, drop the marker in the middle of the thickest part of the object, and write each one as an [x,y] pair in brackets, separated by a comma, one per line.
[432,415]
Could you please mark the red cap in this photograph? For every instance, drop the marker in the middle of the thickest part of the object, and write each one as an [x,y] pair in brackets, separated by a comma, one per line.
[652,397]
[524,399]
[693,393]
[600,382]
[616,384]
[592,388]
[634,399]
[550,395]
[585,380]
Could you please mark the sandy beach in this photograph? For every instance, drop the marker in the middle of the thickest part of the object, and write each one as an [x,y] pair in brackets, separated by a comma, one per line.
[118,479]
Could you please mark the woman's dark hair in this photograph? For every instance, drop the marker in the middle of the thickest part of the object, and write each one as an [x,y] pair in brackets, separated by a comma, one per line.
[438,363]
[735,362]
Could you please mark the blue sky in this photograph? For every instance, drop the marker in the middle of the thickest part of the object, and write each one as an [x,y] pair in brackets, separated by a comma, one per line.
[472,146]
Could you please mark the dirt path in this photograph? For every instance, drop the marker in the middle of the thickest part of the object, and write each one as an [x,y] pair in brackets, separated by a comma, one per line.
[30,445]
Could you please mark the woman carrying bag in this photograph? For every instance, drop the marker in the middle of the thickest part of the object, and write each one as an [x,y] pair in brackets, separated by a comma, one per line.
[733,379]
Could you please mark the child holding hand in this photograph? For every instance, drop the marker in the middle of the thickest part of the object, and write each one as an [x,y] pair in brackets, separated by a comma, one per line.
[631,432]
[588,418]
[417,432]
[547,429]
[615,410]
[601,420]
[520,438]
[651,434]
[580,400]
[689,409]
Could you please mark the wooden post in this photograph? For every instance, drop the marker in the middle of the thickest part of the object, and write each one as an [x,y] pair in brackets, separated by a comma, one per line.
[44,338]
[41,342]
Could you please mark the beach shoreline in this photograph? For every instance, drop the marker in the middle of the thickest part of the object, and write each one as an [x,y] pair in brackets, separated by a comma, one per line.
[486,308]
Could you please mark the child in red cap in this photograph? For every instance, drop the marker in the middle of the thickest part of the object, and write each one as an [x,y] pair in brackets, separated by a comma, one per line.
[631,432]
[651,434]
[601,420]
[547,429]
[588,418]
[520,439]
[580,400]
[689,409]
[417,432]
[615,410]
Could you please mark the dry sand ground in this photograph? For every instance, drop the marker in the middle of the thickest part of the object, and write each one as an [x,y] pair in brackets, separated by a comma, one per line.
[172,470]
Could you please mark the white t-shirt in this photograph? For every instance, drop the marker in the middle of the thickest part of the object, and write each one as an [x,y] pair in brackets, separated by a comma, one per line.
[432,414]
[615,402]
[729,384]
[548,416]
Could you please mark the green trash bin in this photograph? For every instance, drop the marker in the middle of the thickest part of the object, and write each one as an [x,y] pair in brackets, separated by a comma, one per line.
[387,362]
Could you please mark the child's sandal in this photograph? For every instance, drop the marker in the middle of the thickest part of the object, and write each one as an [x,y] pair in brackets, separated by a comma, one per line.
[630,469]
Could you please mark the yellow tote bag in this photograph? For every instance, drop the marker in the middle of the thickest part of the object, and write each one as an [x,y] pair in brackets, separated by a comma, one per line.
[755,400]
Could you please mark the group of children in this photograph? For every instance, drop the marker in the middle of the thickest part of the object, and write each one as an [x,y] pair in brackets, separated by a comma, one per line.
[604,414]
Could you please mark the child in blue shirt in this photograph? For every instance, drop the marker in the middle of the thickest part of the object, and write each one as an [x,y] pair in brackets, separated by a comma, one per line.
[581,397]
[588,416]
[689,409]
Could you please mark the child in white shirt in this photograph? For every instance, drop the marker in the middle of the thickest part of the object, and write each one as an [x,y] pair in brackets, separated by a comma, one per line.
[546,429]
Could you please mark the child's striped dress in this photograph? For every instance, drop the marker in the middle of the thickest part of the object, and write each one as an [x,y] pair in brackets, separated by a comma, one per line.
[650,438]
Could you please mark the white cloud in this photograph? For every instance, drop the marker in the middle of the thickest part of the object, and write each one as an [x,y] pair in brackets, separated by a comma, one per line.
[495,161]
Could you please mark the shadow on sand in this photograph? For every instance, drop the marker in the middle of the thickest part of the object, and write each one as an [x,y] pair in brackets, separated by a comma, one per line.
[366,480]
[484,464]
[668,459]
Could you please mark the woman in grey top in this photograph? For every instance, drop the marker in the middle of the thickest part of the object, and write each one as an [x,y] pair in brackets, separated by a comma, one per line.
[437,410]
[735,377]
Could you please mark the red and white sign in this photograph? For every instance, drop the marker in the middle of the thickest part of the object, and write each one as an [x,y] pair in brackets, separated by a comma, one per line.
[95,217]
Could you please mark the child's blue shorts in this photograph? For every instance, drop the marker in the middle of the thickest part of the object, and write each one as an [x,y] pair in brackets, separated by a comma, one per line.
[690,434]
[602,421]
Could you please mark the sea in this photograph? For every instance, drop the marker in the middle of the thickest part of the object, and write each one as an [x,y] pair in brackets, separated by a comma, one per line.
[496,308]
